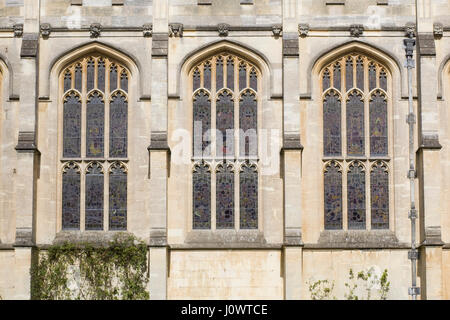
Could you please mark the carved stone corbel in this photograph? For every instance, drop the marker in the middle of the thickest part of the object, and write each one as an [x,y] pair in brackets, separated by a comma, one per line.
[176,30]
[223,29]
[95,29]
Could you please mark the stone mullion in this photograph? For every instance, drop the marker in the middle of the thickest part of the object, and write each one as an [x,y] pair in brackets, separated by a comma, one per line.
[368,170]
[237,195]
[345,166]
[83,167]
[106,197]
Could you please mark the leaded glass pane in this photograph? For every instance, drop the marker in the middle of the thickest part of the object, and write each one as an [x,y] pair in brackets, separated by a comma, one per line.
[356,197]
[332,125]
[207,76]
[355,125]
[326,80]
[242,77]
[372,77]
[349,73]
[219,73]
[196,79]
[117,198]
[253,80]
[333,197]
[248,113]
[230,73]
[124,81]
[202,124]
[379,197]
[94,197]
[72,126]
[201,184]
[118,126]
[78,77]
[95,125]
[225,124]
[248,188]
[360,74]
[71,197]
[101,75]
[378,125]
[337,76]
[67,80]
[383,80]
[90,74]
[225,197]
[113,78]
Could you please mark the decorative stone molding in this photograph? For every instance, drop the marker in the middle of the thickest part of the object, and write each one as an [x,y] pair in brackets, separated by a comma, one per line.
[303,30]
[293,237]
[18,30]
[147,30]
[374,239]
[430,141]
[438,30]
[292,142]
[158,238]
[225,238]
[276,30]
[433,236]
[246,1]
[176,30]
[426,45]
[204,2]
[356,30]
[95,238]
[46,29]
[26,142]
[160,42]
[95,29]
[290,44]
[410,30]
[223,29]
[30,45]
[24,237]
[158,141]
[335,3]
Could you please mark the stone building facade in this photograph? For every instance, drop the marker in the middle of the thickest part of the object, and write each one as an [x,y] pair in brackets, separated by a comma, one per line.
[316,197]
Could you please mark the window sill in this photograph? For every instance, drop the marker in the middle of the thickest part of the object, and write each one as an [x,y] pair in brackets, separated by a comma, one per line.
[224,239]
[95,238]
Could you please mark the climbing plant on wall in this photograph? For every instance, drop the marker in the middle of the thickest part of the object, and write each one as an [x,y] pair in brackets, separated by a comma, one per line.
[85,271]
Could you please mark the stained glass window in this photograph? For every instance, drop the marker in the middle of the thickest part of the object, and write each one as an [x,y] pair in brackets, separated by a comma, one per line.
[94,197]
[332,124]
[379,196]
[360,73]
[253,80]
[333,196]
[230,73]
[72,126]
[248,200]
[378,125]
[242,76]
[372,77]
[248,124]
[117,197]
[196,79]
[225,124]
[219,73]
[349,73]
[71,196]
[326,80]
[202,123]
[201,182]
[383,80]
[356,196]
[207,76]
[337,76]
[98,106]
[225,197]
[95,125]
[355,124]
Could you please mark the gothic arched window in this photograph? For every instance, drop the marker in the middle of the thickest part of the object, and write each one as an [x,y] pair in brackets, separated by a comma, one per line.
[355,143]
[94,144]
[225,143]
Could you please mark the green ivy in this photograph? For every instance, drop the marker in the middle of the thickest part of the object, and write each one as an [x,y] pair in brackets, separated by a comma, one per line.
[87,272]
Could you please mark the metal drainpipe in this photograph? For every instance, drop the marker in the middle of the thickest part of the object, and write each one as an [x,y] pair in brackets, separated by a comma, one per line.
[413,254]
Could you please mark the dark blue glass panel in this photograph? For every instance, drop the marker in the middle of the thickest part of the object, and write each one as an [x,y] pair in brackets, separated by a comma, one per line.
[94,197]
[71,197]
[219,73]
[72,126]
[383,80]
[225,124]
[117,198]
[95,126]
[379,197]
[332,125]
[378,125]
[333,197]
[78,77]
[124,81]
[349,73]
[207,76]
[355,125]
[242,77]
[202,123]
[196,79]
[248,121]
[90,74]
[225,197]
[118,126]
[360,74]
[113,78]
[372,77]
[326,80]
[253,80]
[356,197]
[230,73]
[101,75]
[201,184]
[248,203]
[67,80]
[337,76]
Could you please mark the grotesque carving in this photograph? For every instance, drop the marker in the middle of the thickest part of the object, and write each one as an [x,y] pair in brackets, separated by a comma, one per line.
[147,30]
[438,30]
[46,29]
[410,30]
[223,29]
[356,30]
[276,30]
[176,30]
[95,30]
[18,30]
[303,29]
